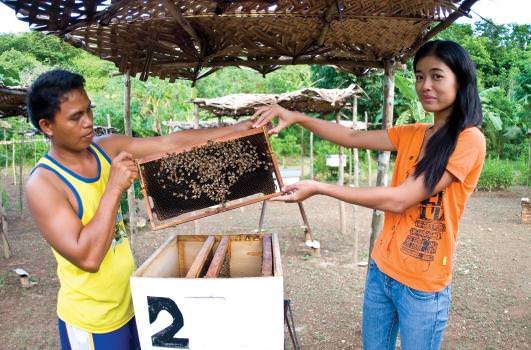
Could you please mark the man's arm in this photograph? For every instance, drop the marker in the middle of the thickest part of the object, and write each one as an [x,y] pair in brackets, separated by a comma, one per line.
[394,199]
[84,246]
[141,147]
[338,134]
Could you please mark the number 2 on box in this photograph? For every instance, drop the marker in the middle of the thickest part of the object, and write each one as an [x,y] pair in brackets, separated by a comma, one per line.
[165,338]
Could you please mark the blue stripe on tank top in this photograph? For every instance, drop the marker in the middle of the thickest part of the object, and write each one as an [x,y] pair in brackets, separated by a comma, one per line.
[77,176]
[102,152]
[78,198]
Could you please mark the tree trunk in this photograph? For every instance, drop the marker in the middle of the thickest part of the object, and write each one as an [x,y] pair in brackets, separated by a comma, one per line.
[383,157]
[340,182]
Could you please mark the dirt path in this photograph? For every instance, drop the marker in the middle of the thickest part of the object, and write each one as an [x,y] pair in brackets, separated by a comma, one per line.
[491,290]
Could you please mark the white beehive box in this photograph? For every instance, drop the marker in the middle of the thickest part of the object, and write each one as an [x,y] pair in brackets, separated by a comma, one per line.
[243,308]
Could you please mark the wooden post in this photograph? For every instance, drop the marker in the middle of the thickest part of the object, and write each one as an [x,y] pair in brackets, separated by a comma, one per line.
[302,153]
[129,132]
[195,111]
[356,180]
[3,233]
[109,120]
[7,154]
[311,156]
[340,182]
[21,168]
[13,159]
[383,157]
[369,161]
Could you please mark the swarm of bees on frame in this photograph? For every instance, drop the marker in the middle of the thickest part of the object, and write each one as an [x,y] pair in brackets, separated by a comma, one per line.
[210,170]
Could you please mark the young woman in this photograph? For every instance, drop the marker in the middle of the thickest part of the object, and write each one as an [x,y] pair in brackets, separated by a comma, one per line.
[408,285]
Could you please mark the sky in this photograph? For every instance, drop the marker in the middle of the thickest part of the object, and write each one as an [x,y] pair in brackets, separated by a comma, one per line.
[500,11]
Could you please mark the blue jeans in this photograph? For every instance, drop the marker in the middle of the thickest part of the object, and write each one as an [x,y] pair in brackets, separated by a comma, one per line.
[390,306]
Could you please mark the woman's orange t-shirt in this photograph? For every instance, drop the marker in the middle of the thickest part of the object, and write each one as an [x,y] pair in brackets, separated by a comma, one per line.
[417,247]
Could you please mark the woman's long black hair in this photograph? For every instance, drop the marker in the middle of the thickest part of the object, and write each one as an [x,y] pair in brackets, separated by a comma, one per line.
[466,111]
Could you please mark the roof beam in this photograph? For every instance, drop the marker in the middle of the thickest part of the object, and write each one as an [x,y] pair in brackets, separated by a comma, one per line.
[269,62]
[181,20]
[464,8]
[330,12]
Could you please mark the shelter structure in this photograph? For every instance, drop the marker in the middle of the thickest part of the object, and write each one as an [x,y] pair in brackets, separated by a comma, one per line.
[12,101]
[192,39]
[321,101]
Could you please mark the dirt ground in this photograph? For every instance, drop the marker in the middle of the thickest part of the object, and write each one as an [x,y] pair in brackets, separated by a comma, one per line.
[491,306]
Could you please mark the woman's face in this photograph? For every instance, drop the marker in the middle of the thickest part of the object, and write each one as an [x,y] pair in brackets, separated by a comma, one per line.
[436,86]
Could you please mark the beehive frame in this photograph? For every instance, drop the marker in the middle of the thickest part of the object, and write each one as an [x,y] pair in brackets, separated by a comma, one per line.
[167,209]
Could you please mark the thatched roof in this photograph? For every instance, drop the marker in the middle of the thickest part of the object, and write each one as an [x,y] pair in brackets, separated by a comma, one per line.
[191,39]
[304,100]
[12,101]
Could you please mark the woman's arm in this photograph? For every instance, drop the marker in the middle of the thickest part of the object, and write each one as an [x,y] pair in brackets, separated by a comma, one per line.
[338,134]
[394,199]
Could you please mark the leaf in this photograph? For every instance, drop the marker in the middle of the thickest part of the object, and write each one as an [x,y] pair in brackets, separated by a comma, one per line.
[494,119]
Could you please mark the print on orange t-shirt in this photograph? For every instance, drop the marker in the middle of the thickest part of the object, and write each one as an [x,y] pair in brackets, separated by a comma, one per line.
[416,247]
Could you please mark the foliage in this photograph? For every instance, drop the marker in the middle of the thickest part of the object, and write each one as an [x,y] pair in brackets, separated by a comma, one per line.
[496,175]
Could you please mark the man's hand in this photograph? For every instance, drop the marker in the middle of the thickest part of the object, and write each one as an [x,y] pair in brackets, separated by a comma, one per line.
[298,192]
[123,172]
[266,114]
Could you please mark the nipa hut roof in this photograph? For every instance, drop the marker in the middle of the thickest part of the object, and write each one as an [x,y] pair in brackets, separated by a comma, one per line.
[12,101]
[179,39]
[307,100]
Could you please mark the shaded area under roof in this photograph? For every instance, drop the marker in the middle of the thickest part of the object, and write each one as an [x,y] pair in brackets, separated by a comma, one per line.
[191,39]
[307,100]
[12,101]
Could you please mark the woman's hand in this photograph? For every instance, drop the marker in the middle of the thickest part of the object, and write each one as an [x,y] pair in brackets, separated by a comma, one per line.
[298,192]
[266,114]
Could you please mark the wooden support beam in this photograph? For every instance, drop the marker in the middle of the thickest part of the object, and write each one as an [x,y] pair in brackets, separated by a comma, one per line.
[201,258]
[219,258]
[181,20]
[267,256]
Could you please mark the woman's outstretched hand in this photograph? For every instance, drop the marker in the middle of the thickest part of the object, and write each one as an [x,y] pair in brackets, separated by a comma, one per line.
[266,114]
[298,192]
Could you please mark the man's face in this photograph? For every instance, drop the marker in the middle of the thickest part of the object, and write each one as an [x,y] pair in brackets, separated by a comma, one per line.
[72,126]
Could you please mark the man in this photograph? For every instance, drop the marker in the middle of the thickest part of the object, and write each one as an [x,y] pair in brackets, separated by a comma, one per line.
[74,196]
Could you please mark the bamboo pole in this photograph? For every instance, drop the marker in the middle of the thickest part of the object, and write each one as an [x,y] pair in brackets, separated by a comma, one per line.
[20,168]
[7,155]
[129,132]
[13,162]
[302,153]
[195,112]
[369,160]
[340,182]
[356,162]
[383,157]
[311,156]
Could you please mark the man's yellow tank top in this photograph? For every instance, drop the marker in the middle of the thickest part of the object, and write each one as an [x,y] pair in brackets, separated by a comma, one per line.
[97,302]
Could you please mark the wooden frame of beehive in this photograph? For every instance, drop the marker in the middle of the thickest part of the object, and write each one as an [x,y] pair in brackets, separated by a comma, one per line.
[174,199]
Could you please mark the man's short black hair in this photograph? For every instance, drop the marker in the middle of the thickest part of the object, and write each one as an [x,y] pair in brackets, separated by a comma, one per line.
[48,92]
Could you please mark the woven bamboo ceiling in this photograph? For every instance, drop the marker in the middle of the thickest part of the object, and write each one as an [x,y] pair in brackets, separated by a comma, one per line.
[12,101]
[190,39]
[306,100]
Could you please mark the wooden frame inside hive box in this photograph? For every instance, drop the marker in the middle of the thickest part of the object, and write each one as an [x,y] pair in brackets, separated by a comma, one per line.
[222,174]
[179,302]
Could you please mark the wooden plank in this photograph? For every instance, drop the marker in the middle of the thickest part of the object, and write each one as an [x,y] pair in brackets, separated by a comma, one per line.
[201,258]
[277,264]
[219,258]
[267,256]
